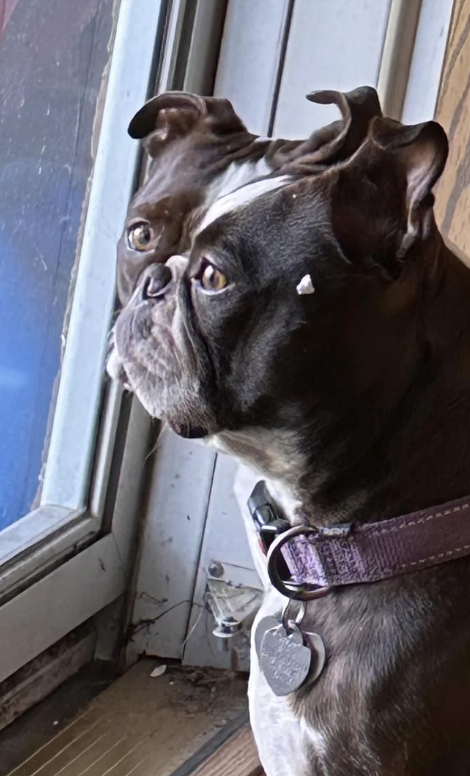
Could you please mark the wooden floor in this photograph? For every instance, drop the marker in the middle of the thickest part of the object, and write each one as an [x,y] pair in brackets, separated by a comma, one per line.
[237,757]
[182,723]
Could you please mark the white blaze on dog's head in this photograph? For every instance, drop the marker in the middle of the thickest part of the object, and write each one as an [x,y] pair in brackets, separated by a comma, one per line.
[241,197]
[237,175]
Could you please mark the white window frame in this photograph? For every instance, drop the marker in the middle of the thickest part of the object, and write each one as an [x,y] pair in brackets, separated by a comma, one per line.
[40,555]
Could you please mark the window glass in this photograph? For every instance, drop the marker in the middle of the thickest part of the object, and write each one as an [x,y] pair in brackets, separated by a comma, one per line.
[53,56]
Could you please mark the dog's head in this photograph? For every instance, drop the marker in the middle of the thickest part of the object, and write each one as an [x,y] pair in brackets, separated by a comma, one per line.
[199,150]
[225,344]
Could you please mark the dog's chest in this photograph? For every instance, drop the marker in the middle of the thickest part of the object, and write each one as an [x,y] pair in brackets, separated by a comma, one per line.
[287,744]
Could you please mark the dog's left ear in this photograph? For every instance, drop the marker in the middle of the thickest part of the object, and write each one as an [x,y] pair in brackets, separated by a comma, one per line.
[382,200]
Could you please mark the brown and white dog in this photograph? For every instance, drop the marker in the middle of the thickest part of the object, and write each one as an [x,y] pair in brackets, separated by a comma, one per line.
[352,401]
[199,150]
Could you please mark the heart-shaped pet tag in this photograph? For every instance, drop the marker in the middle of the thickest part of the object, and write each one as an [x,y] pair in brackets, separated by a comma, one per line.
[284,660]
[267,623]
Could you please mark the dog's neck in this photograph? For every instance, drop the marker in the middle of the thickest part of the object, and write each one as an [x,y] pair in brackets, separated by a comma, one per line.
[421,456]
[402,448]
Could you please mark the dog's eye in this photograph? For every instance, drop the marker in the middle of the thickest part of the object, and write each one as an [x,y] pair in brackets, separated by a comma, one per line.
[211,278]
[139,236]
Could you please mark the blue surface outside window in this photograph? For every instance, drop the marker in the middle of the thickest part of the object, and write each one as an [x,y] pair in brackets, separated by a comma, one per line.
[52,59]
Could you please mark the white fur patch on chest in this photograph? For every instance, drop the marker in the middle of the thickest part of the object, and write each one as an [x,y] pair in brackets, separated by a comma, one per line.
[316,739]
[285,741]
[287,744]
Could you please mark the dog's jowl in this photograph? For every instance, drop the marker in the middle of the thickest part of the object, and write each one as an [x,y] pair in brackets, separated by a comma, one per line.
[352,402]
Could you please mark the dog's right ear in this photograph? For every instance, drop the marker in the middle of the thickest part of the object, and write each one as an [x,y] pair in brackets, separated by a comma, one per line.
[421,152]
[175,114]
[382,201]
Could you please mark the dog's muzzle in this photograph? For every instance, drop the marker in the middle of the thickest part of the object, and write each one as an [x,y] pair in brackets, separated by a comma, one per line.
[152,285]
[157,279]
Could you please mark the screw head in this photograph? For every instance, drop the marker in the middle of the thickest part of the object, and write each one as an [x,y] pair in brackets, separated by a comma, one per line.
[216,569]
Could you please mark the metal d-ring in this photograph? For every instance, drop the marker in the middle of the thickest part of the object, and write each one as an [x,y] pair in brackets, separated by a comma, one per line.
[294,590]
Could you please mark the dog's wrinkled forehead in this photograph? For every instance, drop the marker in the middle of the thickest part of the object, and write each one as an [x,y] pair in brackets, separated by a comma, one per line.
[199,150]
[268,228]
[373,207]
[235,201]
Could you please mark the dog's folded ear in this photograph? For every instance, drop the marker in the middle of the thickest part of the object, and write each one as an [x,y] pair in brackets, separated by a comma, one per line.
[382,203]
[337,141]
[421,152]
[175,114]
[172,112]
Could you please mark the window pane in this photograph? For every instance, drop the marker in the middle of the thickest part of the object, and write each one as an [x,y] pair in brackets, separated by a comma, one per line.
[52,58]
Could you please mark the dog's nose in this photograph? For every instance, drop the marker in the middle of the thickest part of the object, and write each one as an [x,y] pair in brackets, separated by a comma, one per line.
[156,282]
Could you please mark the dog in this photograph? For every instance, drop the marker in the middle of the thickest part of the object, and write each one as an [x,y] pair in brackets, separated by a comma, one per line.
[199,149]
[349,394]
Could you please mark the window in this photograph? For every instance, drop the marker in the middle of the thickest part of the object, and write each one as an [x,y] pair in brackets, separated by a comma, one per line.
[57,556]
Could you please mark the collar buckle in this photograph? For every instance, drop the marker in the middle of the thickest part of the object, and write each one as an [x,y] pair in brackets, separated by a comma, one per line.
[268,523]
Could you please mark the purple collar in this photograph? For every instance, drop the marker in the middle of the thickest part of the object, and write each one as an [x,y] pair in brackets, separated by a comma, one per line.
[320,559]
